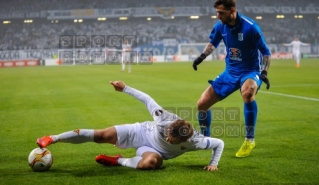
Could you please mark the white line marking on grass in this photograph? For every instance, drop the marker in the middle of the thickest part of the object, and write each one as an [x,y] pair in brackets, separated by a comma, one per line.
[296,85]
[291,96]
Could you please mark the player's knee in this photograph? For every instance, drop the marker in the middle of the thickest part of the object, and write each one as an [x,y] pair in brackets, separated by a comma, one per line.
[98,136]
[104,136]
[201,105]
[248,93]
[151,163]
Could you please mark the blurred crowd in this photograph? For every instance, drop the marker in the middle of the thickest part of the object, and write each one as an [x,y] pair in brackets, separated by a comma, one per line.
[42,34]
[46,35]
[38,5]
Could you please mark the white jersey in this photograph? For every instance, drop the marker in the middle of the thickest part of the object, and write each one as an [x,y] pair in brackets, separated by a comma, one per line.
[155,132]
[126,48]
[296,45]
[126,52]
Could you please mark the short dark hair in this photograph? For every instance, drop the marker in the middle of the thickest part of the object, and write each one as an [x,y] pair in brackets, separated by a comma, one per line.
[180,130]
[228,4]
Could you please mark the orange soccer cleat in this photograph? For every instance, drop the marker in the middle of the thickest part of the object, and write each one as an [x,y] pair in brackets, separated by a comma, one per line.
[107,160]
[45,141]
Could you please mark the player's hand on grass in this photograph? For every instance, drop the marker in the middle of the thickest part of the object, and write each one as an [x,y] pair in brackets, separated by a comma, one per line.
[118,85]
[264,78]
[198,60]
[211,168]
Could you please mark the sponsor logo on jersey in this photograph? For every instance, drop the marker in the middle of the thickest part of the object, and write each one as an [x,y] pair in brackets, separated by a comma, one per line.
[235,54]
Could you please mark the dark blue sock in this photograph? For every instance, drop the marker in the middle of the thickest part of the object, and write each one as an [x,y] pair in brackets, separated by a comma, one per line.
[250,113]
[205,120]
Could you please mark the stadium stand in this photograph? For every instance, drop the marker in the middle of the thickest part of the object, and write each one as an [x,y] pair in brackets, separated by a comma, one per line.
[36,5]
[42,34]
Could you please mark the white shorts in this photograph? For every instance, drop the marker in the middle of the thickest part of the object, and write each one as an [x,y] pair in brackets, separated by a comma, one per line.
[296,55]
[133,136]
[126,57]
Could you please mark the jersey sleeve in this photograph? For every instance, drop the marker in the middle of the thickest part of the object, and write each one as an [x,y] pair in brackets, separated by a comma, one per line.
[215,35]
[290,44]
[205,143]
[149,102]
[166,118]
[259,40]
[217,147]
[303,44]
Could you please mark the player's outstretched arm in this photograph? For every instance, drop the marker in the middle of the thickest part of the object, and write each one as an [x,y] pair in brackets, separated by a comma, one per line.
[218,146]
[285,44]
[304,44]
[149,102]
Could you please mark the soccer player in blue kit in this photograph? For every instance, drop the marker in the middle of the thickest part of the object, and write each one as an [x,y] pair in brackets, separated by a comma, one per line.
[245,70]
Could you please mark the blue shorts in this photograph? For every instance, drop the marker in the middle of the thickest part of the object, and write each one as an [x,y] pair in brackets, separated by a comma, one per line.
[225,84]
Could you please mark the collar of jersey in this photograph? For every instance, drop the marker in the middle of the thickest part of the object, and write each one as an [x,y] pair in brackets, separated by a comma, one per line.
[238,21]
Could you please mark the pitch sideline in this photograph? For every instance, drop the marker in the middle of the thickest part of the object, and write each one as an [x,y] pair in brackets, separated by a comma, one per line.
[289,95]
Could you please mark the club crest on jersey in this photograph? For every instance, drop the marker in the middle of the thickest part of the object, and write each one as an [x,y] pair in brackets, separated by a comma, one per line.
[240,36]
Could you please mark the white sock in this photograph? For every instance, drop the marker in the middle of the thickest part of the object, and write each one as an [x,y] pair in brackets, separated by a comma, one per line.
[130,162]
[250,139]
[129,67]
[76,136]
[123,66]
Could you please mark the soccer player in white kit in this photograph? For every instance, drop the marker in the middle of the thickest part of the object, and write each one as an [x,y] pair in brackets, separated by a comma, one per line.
[126,56]
[296,49]
[166,137]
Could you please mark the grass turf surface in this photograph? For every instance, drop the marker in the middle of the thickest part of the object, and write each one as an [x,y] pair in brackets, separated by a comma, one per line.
[38,101]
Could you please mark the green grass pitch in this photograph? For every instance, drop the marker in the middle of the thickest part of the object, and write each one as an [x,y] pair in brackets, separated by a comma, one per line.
[38,101]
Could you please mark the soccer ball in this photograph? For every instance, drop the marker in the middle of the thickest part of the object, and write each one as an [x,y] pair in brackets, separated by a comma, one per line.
[40,159]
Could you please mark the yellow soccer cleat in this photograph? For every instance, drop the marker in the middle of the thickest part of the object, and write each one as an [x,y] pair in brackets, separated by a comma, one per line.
[246,148]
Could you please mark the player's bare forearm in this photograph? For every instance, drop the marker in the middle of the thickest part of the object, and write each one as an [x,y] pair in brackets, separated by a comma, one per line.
[266,62]
[209,49]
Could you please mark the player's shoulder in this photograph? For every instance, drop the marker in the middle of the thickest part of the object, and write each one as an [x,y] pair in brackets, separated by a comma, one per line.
[166,115]
[247,21]
[196,136]
[218,25]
